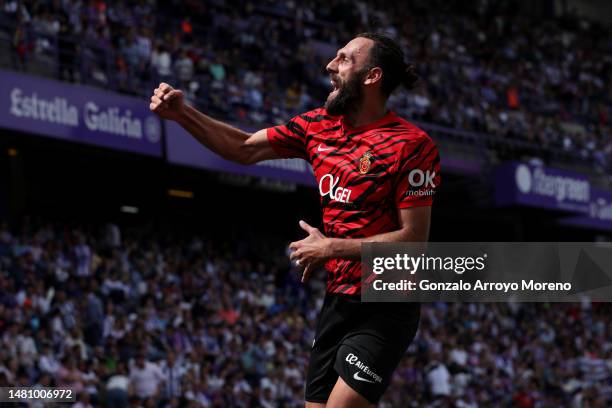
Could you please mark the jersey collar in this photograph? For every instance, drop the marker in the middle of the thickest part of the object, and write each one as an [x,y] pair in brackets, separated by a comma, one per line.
[389,116]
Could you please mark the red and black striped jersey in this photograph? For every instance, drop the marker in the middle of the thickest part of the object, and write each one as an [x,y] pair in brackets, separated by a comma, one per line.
[364,175]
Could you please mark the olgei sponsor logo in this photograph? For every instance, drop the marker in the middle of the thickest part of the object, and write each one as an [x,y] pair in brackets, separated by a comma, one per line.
[370,376]
[328,186]
[421,182]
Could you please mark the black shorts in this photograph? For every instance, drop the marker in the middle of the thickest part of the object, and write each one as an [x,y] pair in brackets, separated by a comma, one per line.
[361,342]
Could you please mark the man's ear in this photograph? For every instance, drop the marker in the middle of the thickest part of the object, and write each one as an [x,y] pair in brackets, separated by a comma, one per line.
[373,76]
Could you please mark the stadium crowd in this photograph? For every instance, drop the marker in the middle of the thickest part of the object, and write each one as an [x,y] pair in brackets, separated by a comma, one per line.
[133,318]
[487,68]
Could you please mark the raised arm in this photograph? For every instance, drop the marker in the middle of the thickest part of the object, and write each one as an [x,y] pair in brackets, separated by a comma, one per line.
[227,141]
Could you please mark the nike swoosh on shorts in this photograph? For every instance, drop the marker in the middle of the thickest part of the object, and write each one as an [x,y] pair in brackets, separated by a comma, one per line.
[358,378]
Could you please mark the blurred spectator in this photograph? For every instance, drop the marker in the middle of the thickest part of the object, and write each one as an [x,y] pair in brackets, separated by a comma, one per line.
[118,388]
[173,371]
[161,60]
[439,377]
[20,48]
[66,49]
[146,377]
[69,375]
[184,69]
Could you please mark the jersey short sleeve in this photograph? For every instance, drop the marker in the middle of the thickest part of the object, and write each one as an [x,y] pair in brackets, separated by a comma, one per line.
[418,176]
[289,140]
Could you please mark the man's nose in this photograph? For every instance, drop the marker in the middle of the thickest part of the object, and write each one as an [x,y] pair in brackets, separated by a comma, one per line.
[332,67]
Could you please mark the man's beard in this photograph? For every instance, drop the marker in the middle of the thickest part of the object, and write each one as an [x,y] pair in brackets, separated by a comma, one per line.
[348,98]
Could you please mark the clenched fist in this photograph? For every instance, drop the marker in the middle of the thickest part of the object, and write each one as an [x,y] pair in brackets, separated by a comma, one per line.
[167,102]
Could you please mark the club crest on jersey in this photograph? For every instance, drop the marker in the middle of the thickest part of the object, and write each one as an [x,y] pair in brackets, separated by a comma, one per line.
[365,162]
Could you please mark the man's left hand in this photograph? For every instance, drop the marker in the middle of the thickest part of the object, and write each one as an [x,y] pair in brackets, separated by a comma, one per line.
[312,251]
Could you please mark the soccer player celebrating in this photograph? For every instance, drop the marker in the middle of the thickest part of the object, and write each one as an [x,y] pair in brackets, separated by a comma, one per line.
[376,174]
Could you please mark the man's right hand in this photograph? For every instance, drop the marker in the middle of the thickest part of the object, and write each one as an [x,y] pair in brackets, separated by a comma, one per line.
[167,102]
